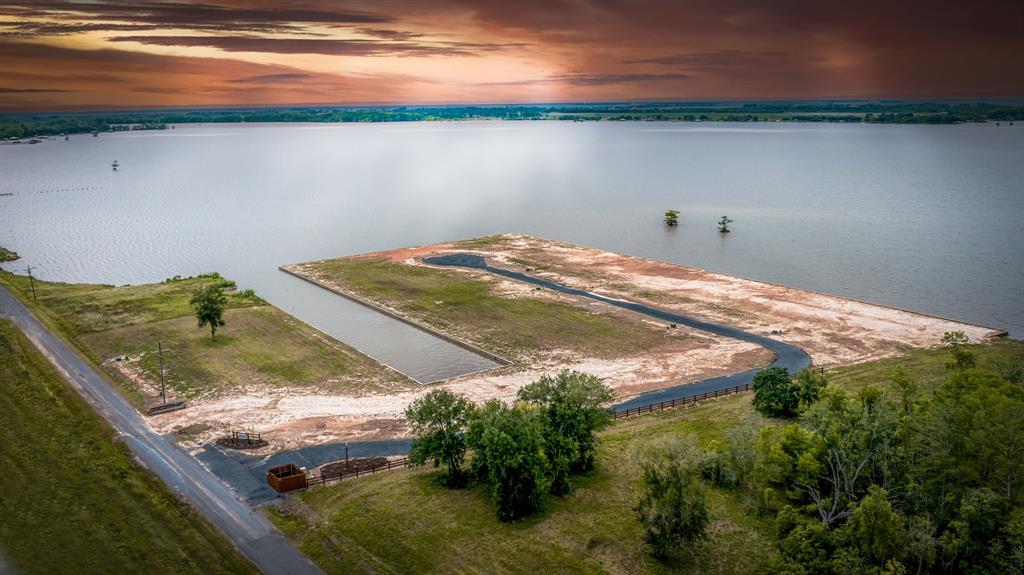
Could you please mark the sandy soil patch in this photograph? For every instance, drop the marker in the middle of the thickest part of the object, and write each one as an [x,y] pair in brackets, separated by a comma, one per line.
[832,329]
[288,419]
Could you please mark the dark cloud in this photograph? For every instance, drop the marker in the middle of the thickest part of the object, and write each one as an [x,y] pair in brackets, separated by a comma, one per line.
[272,78]
[718,60]
[192,15]
[391,34]
[561,49]
[326,46]
[30,90]
[595,79]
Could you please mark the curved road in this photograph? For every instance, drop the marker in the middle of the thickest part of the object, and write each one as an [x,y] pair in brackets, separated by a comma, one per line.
[786,355]
[245,472]
[253,534]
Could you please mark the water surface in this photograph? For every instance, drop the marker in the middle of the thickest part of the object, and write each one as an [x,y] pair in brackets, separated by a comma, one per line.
[927,218]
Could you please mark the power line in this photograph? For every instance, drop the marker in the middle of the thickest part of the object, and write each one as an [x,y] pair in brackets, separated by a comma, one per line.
[163,386]
[32,281]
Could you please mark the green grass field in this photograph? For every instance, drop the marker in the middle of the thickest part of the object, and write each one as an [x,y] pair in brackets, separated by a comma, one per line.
[72,500]
[259,345]
[403,522]
[468,308]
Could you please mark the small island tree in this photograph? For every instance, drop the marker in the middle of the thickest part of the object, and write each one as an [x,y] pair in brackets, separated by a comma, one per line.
[209,303]
[723,224]
[672,218]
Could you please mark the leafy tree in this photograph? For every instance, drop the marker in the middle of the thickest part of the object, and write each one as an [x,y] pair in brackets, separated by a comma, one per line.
[731,463]
[723,224]
[673,508]
[965,542]
[672,218]
[209,303]
[509,441]
[439,420]
[858,435]
[807,547]
[572,404]
[959,358]
[774,394]
[955,338]
[921,545]
[809,383]
[902,381]
[875,529]
[788,457]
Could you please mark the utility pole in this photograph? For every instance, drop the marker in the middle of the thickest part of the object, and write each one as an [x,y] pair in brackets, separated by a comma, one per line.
[346,457]
[31,282]
[163,387]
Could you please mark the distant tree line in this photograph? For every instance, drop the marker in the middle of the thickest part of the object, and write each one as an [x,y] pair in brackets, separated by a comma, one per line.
[883,111]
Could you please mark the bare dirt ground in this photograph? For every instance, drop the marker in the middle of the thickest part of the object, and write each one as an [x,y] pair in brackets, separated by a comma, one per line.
[832,329]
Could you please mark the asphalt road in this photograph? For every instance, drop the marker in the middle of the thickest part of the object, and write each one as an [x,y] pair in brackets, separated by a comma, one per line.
[252,533]
[786,355]
[244,472]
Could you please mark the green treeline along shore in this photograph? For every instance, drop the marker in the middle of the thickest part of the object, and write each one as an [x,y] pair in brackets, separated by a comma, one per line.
[34,124]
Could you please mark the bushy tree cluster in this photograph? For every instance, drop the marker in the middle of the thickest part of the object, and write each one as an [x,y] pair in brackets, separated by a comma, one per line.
[523,451]
[918,483]
[776,394]
[673,509]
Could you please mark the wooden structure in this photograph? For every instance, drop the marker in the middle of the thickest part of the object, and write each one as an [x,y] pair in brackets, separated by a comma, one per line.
[158,408]
[359,471]
[691,400]
[286,477]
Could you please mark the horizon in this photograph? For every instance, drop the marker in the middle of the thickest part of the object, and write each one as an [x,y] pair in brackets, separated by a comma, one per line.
[60,55]
[1009,100]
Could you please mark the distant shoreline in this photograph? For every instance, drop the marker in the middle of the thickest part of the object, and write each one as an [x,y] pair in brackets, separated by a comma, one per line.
[36,124]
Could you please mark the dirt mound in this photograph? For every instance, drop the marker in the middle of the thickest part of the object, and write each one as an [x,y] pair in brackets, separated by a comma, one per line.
[354,465]
[238,443]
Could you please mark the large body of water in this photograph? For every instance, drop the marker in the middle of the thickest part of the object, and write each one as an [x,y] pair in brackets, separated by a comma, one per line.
[928,218]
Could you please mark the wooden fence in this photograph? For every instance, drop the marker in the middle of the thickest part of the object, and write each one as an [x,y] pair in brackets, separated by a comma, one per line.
[387,466]
[684,401]
[680,402]
[634,411]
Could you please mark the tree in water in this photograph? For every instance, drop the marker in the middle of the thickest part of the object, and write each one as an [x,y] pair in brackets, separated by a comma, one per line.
[723,224]
[672,218]
[209,303]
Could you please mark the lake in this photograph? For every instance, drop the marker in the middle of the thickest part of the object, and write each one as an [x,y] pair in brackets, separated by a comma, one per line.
[928,218]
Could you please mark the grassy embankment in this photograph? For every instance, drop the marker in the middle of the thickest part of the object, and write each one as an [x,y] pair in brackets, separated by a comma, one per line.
[403,522]
[473,310]
[259,344]
[73,501]
[7,255]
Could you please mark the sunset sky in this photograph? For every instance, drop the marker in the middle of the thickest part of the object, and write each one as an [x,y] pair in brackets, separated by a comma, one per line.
[99,54]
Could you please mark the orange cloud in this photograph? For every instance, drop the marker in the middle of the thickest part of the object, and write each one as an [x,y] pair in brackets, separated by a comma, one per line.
[57,53]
